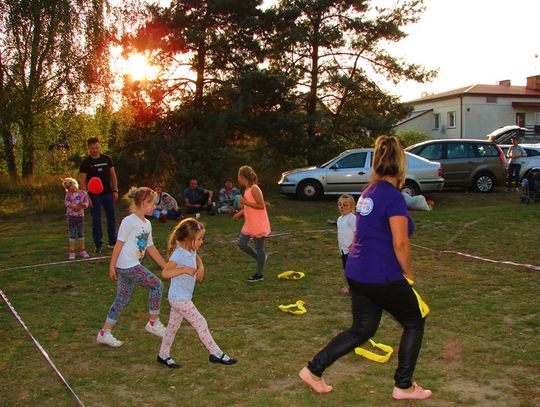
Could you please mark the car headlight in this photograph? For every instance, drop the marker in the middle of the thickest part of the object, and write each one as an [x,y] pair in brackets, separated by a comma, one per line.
[284,178]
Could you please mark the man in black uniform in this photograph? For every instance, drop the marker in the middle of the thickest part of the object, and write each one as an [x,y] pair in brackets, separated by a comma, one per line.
[101,166]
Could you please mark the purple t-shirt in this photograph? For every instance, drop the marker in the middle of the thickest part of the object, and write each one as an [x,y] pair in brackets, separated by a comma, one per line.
[372,259]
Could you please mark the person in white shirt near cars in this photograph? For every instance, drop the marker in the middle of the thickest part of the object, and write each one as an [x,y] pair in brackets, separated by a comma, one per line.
[515,153]
[346,226]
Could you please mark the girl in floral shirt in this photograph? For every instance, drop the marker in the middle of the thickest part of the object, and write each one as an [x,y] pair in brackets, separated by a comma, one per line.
[76,202]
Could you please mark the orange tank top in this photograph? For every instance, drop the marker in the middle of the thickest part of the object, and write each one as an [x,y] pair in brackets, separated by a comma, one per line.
[256,222]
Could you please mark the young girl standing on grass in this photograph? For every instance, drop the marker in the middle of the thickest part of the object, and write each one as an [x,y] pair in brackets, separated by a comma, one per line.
[256,222]
[346,226]
[134,239]
[185,268]
[76,202]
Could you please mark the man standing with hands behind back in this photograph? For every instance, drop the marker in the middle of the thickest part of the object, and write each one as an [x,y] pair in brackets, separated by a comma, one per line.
[101,166]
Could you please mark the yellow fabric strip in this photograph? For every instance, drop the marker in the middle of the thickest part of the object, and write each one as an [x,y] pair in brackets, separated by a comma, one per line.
[424,308]
[291,275]
[297,308]
[387,349]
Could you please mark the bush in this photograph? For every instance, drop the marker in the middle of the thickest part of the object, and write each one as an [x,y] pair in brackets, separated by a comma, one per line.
[31,195]
[410,137]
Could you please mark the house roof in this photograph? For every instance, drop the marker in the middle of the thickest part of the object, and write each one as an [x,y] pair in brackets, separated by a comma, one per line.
[414,115]
[482,90]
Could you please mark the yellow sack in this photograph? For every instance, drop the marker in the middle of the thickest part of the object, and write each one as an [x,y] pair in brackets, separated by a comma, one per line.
[291,275]
[299,305]
[424,309]
[375,356]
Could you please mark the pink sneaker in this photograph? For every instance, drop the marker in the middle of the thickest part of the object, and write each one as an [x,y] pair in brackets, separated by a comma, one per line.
[318,386]
[417,394]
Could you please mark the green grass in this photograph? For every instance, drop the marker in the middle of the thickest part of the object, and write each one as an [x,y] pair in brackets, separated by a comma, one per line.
[480,347]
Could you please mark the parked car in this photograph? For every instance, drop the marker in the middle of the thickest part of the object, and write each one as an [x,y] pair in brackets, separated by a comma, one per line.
[349,173]
[532,161]
[479,164]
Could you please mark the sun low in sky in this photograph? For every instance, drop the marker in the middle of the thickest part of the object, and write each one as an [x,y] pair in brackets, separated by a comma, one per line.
[135,66]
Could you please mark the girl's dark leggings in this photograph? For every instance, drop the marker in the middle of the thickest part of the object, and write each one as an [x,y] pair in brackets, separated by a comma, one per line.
[368,302]
[258,255]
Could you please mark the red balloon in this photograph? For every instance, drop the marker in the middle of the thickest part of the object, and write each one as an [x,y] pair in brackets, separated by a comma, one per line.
[95,186]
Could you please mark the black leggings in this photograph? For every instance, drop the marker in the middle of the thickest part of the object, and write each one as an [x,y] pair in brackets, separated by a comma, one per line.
[368,302]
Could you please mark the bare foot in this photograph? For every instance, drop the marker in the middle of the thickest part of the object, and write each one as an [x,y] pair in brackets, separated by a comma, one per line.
[316,383]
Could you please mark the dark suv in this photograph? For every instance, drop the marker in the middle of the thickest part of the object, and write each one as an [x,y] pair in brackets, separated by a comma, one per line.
[470,163]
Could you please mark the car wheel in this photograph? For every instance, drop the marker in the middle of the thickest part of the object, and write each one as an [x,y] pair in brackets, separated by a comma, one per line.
[309,190]
[484,182]
[411,188]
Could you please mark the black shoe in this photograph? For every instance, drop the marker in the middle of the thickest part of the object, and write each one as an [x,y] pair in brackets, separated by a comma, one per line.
[99,249]
[255,278]
[215,359]
[169,362]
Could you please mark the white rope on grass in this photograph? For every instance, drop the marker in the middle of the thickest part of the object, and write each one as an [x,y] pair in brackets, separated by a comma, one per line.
[485,259]
[293,233]
[55,263]
[40,348]
[471,256]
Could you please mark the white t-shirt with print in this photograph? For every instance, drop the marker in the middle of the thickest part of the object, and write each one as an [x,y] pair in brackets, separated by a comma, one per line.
[136,234]
[346,226]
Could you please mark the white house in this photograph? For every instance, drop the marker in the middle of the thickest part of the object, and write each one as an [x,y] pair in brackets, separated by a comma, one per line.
[475,111]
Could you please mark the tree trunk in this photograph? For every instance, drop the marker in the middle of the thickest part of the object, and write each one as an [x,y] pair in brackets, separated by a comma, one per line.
[311,105]
[27,130]
[199,82]
[9,151]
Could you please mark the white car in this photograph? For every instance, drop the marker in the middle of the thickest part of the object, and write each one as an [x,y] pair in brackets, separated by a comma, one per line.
[349,173]
[532,161]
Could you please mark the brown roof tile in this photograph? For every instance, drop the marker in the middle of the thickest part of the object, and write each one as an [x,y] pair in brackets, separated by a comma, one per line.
[492,90]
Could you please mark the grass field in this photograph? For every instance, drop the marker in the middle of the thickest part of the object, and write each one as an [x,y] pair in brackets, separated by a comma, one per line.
[481,346]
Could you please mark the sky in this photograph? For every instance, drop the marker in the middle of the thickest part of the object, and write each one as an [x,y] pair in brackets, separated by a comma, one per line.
[472,42]
[469,41]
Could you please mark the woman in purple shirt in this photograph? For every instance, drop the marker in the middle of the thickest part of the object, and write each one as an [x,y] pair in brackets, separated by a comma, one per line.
[378,263]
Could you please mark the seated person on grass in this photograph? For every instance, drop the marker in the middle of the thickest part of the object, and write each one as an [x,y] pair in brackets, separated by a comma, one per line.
[228,198]
[166,205]
[197,198]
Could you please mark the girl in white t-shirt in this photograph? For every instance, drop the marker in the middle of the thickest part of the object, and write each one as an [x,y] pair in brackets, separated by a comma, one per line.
[134,239]
[346,227]
[185,268]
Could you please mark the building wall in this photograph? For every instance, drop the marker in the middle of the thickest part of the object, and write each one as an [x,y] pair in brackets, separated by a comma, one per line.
[426,122]
[479,117]
[422,123]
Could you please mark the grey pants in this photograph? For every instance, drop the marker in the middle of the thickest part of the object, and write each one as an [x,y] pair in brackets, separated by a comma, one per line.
[258,255]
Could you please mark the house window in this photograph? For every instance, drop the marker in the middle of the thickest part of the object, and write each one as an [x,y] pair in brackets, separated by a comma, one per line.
[451,119]
[436,121]
[520,119]
[491,99]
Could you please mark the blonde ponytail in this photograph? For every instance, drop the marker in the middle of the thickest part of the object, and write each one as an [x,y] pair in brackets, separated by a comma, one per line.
[389,159]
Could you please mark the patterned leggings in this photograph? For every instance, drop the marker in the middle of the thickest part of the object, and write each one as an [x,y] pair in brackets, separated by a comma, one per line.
[187,310]
[127,279]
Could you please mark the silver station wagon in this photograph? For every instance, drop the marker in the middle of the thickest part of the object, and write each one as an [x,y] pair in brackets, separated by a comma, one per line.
[349,173]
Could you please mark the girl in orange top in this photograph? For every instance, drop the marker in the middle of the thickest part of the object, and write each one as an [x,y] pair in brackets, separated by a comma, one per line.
[256,223]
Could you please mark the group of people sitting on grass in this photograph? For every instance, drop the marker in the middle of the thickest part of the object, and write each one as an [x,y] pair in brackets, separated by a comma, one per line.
[197,199]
